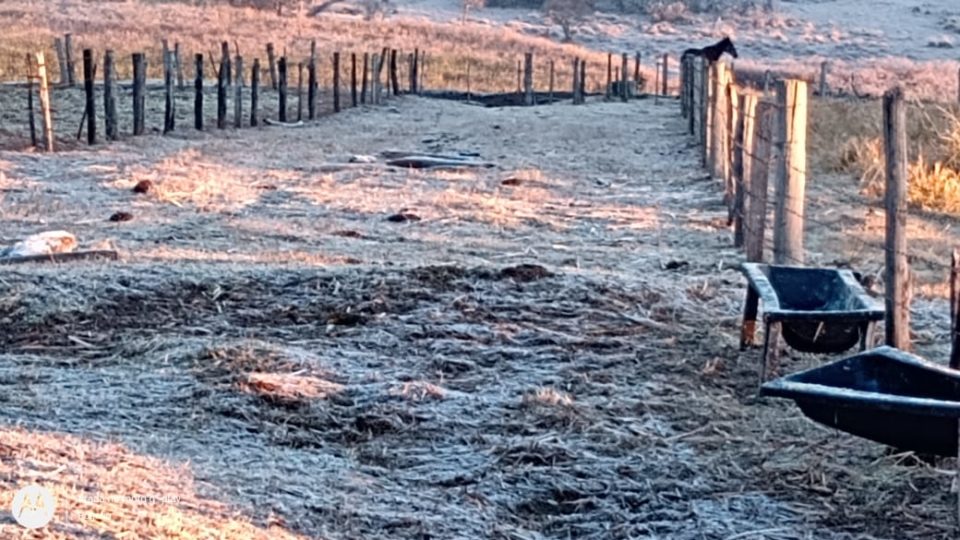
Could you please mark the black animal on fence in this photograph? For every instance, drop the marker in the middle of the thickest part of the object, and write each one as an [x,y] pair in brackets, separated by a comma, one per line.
[712,53]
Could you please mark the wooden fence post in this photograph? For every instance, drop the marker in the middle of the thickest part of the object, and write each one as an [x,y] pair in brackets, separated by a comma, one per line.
[169,115]
[222,94]
[394,79]
[254,92]
[730,115]
[61,60]
[636,71]
[139,92]
[282,88]
[552,81]
[299,91]
[422,72]
[718,117]
[583,81]
[272,65]
[225,61]
[181,84]
[336,82]
[740,168]
[665,90]
[71,71]
[624,77]
[791,143]
[353,80]
[691,93]
[607,93]
[31,118]
[757,141]
[45,102]
[375,79]
[198,92]
[414,77]
[238,94]
[90,110]
[704,108]
[528,79]
[576,81]
[366,77]
[897,282]
[312,89]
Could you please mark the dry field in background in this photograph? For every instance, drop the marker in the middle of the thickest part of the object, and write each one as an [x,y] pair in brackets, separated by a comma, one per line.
[275,352]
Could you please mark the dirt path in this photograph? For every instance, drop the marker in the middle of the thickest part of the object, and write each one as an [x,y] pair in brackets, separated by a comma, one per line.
[285,360]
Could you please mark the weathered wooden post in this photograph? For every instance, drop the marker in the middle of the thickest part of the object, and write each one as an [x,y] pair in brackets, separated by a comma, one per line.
[740,167]
[238,94]
[897,282]
[312,89]
[718,118]
[139,92]
[636,70]
[225,62]
[732,112]
[181,84]
[299,91]
[583,81]
[422,72]
[366,76]
[198,92]
[757,140]
[823,79]
[665,90]
[90,109]
[254,92]
[415,76]
[336,82]
[394,79]
[703,90]
[353,80]
[71,71]
[576,81]
[375,79]
[607,93]
[528,99]
[691,67]
[272,65]
[624,77]
[169,115]
[282,88]
[222,94]
[791,143]
[30,114]
[552,81]
[45,102]
[61,60]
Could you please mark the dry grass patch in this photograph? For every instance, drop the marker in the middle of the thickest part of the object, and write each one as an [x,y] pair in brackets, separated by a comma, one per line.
[846,137]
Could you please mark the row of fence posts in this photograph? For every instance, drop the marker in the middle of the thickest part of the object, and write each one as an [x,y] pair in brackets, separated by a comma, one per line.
[745,135]
[366,87]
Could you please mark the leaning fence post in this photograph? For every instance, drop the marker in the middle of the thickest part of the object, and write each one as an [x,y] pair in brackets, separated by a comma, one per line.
[897,282]
[583,81]
[791,142]
[45,102]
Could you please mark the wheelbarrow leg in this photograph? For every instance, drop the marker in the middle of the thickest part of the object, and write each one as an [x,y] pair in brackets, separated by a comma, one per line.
[748,331]
[867,333]
[771,351]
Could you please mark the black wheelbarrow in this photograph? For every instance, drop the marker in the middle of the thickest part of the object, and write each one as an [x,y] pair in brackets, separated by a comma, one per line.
[815,310]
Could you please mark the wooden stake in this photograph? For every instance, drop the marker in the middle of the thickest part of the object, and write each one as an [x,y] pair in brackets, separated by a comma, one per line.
[169,115]
[353,79]
[45,102]
[576,81]
[739,138]
[897,283]
[366,75]
[222,94]
[299,91]
[71,72]
[181,83]
[254,92]
[624,77]
[823,79]
[61,60]
[238,94]
[583,81]
[139,92]
[665,90]
[225,61]
[415,76]
[272,65]
[528,79]
[31,120]
[312,89]
[90,110]
[198,92]
[336,82]
[282,88]
[791,143]
[636,70]
[608,92]
[394,80]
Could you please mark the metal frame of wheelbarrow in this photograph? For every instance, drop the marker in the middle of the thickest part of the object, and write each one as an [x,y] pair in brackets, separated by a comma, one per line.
[759,287]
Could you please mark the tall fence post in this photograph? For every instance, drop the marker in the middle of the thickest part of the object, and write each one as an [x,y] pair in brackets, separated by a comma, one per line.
[71,71]
[375,79]
[90,110]
[45,102]
[758,130]
[354,100]
[528,79]
[272,65]
[198,92]
[551,81]
[608,91]
[109,100]
[665,90]
[222,93]
[717,120]
[583,81]
[254,92]
[823,79]
[897,282]
[61,60]
[312,89]
[624,77]
[636,71]
[238,94]
[169,115]
[791,172]
[336,82]
[299,91]
[139,92]
[576,81]
[181,84]
[366,77]
[740,169]
[31,118]
[394,77]
[731,114]
[282,88]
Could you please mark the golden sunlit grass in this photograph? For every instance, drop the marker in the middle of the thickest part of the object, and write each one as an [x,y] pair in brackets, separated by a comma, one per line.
[846,136]
[128,27]
[106,490]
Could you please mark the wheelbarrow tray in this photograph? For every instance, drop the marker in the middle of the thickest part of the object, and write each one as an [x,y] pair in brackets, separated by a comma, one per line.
[885,395]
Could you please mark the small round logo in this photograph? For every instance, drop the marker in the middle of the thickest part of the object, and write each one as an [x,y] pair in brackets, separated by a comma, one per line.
[33,506]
